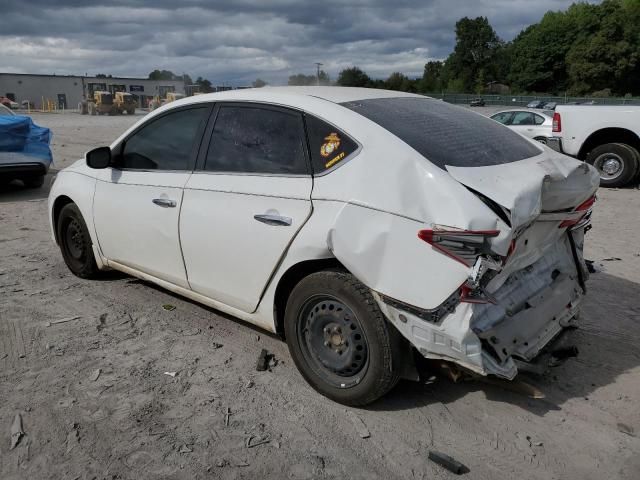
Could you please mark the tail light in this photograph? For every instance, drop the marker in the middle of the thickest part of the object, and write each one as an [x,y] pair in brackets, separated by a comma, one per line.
[464,246]
[583,207]
[557,123]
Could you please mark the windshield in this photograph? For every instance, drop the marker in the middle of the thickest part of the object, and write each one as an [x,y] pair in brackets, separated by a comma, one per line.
[445,134]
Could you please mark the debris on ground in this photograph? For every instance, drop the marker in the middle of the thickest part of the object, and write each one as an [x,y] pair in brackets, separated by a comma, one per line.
[216,345]
[559,355]
[17,431]
[185,449]
[249,384]
[361,428]
[96,373]
[626,429]
[447,462]
[263,361]
[226,417]
[612,259]
[254,441]
[168,307]
[63,320]
[72,438]
[171,374]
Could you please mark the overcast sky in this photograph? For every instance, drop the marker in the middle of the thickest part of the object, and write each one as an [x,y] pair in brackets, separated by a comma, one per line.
[235,41]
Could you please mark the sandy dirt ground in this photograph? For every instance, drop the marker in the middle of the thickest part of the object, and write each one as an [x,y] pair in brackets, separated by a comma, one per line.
[96,403]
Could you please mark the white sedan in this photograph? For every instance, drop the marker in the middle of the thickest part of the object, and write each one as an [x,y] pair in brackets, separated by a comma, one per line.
[536,124]
[361,225]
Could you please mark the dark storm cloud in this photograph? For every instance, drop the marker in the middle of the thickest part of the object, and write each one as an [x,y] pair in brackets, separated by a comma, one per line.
[238,41]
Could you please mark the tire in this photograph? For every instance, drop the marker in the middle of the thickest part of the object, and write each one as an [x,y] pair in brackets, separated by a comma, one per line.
[353,368]
[617,163]
[34,182]
[75,242]
[542,140]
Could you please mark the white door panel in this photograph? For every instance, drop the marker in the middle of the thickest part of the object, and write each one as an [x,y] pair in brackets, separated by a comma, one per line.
[229,254]
[134,230]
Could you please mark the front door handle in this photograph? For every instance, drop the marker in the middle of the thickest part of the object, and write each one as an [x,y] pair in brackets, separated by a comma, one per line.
[164,202]
[273,219]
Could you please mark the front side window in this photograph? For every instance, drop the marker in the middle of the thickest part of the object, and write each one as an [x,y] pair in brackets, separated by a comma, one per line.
[248,139]
[165,143]
[329,145]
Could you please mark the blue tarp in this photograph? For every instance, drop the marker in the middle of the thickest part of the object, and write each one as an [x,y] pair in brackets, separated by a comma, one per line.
[19,134]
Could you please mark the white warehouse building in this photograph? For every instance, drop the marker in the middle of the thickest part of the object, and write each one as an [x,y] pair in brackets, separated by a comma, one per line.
[66,91]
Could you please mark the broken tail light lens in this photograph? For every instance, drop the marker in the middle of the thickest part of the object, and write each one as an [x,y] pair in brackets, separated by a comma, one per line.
[464,246]
[583,207]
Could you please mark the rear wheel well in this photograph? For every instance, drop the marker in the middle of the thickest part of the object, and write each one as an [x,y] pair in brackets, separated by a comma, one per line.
[58,205]
[608,135]
[290,279]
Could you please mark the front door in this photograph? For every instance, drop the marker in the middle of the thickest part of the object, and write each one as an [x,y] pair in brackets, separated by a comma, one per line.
[245,203]
[137,202]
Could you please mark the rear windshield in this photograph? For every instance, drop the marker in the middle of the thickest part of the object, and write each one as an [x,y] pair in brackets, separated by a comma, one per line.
[444,134]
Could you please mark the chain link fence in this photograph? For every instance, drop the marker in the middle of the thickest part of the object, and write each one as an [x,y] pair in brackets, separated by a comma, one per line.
[523,100]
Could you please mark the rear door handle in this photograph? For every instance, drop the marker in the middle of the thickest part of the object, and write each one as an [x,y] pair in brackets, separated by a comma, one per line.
[164,202]
[273,219]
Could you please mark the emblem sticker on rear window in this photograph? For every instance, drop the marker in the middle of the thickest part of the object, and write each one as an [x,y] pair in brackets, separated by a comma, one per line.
[334,160]
[330,145]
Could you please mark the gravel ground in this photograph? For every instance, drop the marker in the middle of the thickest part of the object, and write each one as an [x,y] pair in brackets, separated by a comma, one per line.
[96,403]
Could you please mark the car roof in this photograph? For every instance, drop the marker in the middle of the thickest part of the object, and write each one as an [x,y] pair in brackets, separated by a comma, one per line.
[331,94]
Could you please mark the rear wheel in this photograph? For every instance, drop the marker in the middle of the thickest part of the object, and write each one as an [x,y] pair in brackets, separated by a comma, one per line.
[75,242]
[617,163]
[340,340]
[542,140]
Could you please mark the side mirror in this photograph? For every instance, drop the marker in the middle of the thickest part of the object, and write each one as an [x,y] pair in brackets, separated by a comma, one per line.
[98,157]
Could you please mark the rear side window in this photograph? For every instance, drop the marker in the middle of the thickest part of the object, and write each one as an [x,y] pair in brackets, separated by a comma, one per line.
[539,119]
[165,143]
[522,118]
[445,134]
[257,140]
[329,145]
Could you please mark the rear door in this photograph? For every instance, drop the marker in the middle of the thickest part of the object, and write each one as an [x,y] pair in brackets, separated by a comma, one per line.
[246,201]
[523,123]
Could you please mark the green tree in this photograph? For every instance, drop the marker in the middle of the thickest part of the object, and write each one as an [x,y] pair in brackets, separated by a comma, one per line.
[432,77]
[258,83]
[163,75]
[476,46]
[300,79]
[353,77]
[204,85]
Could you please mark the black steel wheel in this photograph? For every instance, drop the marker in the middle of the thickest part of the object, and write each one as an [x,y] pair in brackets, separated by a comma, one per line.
[340,340]
[75,242]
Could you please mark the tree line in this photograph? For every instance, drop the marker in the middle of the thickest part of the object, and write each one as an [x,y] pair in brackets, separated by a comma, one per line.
[586,49]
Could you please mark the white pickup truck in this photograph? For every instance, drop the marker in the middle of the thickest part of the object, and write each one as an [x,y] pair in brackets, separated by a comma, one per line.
[607,137]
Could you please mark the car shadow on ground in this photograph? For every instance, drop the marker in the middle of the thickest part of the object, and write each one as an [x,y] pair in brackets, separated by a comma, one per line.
[17,192]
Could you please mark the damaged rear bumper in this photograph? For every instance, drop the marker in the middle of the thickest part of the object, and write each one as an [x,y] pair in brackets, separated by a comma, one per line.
[531,307]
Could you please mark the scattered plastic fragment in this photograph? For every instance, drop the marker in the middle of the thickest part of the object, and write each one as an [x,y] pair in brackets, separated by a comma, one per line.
[171,374]
[447,462]
[16,431]
[263,361]
[168,307]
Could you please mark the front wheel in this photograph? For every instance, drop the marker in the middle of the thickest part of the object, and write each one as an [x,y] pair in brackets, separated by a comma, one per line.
[340,340]
[617,163]
[75,242]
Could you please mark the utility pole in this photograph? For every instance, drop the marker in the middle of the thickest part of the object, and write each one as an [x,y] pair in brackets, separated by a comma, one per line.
[318,65]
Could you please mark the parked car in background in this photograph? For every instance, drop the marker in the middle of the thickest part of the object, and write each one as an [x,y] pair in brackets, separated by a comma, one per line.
[7,102]
[607,137]
[533,124]
[535,104]
[363,225]
[24,150]
[550,106]
[6,111]
[477,102]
